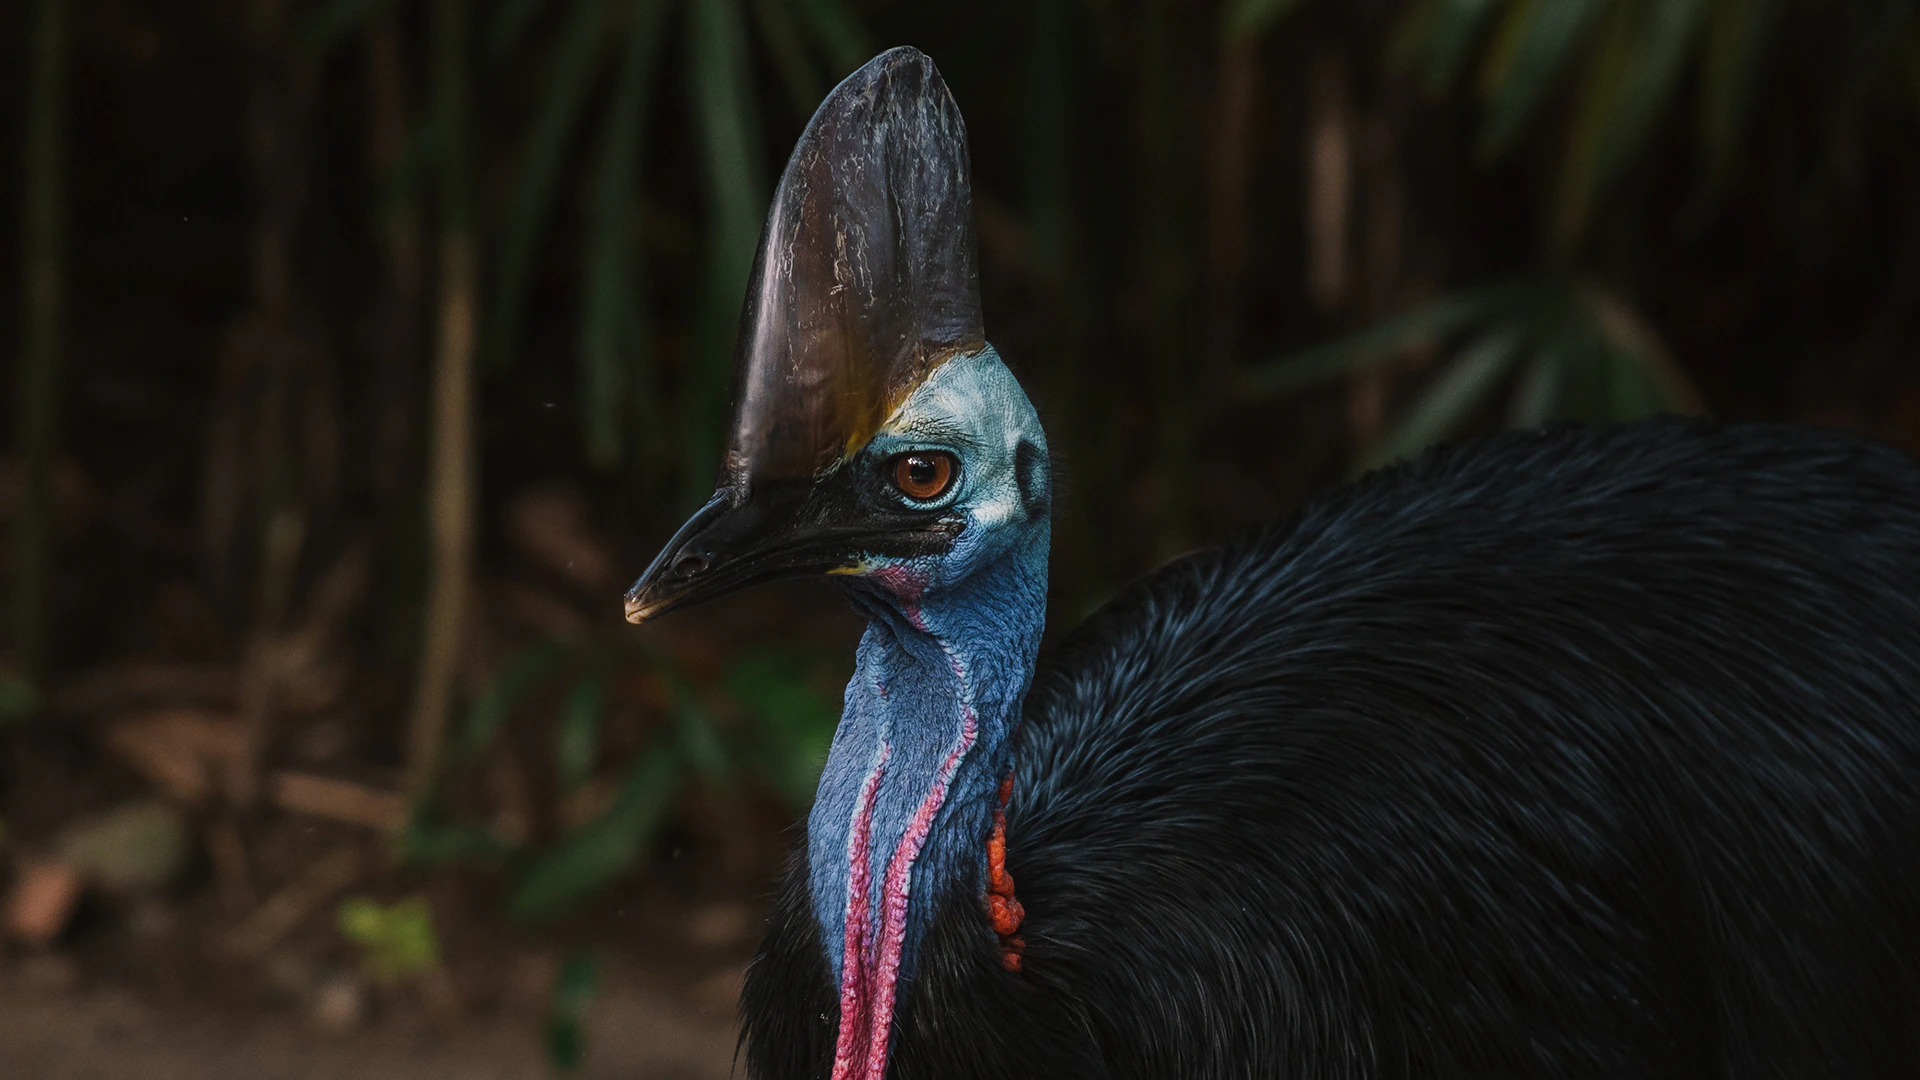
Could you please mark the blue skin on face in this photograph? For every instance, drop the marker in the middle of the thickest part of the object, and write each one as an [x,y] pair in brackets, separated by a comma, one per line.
[950,637]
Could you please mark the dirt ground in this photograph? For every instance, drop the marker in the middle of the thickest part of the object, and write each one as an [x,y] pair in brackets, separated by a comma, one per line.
[111,1033]
[60,1020]
[151,988]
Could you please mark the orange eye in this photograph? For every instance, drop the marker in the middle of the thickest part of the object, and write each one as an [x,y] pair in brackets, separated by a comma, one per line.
[923,476]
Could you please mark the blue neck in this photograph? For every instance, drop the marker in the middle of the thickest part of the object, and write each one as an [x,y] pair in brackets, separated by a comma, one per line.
[930,714]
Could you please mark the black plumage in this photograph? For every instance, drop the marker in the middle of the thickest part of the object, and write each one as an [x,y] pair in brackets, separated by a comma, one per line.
[1583,753]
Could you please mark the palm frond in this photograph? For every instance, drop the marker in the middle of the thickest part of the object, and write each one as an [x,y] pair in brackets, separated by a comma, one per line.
[1527,58]
[1456,392]
[1560,349]
[1382,342]
[1628,83]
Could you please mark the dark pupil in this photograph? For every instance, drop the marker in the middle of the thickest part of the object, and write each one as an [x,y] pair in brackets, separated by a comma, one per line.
[921,471]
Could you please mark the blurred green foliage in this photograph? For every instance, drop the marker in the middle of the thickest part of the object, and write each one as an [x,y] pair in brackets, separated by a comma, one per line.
[764,717]
[1627,58]
[1557,350]
[1556,347]
[573,993]
[396,941]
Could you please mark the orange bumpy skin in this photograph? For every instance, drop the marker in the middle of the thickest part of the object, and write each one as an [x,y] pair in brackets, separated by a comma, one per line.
[1003,910]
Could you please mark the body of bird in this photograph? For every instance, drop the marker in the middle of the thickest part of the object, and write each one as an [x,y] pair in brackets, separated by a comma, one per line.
[1575,753]
[1584,753]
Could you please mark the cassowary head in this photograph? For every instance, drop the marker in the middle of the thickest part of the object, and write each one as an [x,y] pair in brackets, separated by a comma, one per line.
[875,432]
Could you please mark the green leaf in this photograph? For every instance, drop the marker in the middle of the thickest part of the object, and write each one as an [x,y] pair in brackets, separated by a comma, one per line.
[1250,18]
[489,713]
[839,33]
[1623,331]
[1601,91]
[1633,74]
[1381,342]
[1464,385]
[616,354]
[540,167]
[1530,52]
[332,22]
[578,739]
[573,993]
[567,874]
[1537,399]
[396,942]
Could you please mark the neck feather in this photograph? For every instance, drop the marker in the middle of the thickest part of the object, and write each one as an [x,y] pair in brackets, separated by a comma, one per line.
[906,801]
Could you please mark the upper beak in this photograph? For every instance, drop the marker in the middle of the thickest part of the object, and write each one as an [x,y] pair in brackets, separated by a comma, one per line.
[738,538]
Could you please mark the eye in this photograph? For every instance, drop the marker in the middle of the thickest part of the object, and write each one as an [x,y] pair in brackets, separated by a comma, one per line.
[923,476]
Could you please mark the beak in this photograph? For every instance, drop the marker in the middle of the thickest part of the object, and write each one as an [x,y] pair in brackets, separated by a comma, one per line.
[774,531]
[737,539]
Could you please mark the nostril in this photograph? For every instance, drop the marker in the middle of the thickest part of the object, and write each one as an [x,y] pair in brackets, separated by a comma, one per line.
[689,565]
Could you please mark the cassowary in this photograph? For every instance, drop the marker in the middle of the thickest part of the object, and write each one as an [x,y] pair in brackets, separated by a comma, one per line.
[1578,753]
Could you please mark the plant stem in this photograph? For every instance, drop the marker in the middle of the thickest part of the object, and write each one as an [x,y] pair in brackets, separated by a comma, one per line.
[43,303]
[451,467]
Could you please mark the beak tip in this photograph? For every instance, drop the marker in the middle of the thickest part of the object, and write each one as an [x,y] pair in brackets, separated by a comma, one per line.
[635,606]
[637,610]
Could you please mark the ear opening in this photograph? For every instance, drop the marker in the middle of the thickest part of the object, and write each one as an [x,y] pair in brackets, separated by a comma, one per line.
[1036,484]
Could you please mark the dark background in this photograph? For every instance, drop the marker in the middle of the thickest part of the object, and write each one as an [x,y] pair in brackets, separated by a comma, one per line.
[360,351]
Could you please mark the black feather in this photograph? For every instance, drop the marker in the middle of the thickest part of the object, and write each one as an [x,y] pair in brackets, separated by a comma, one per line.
[1586,753]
